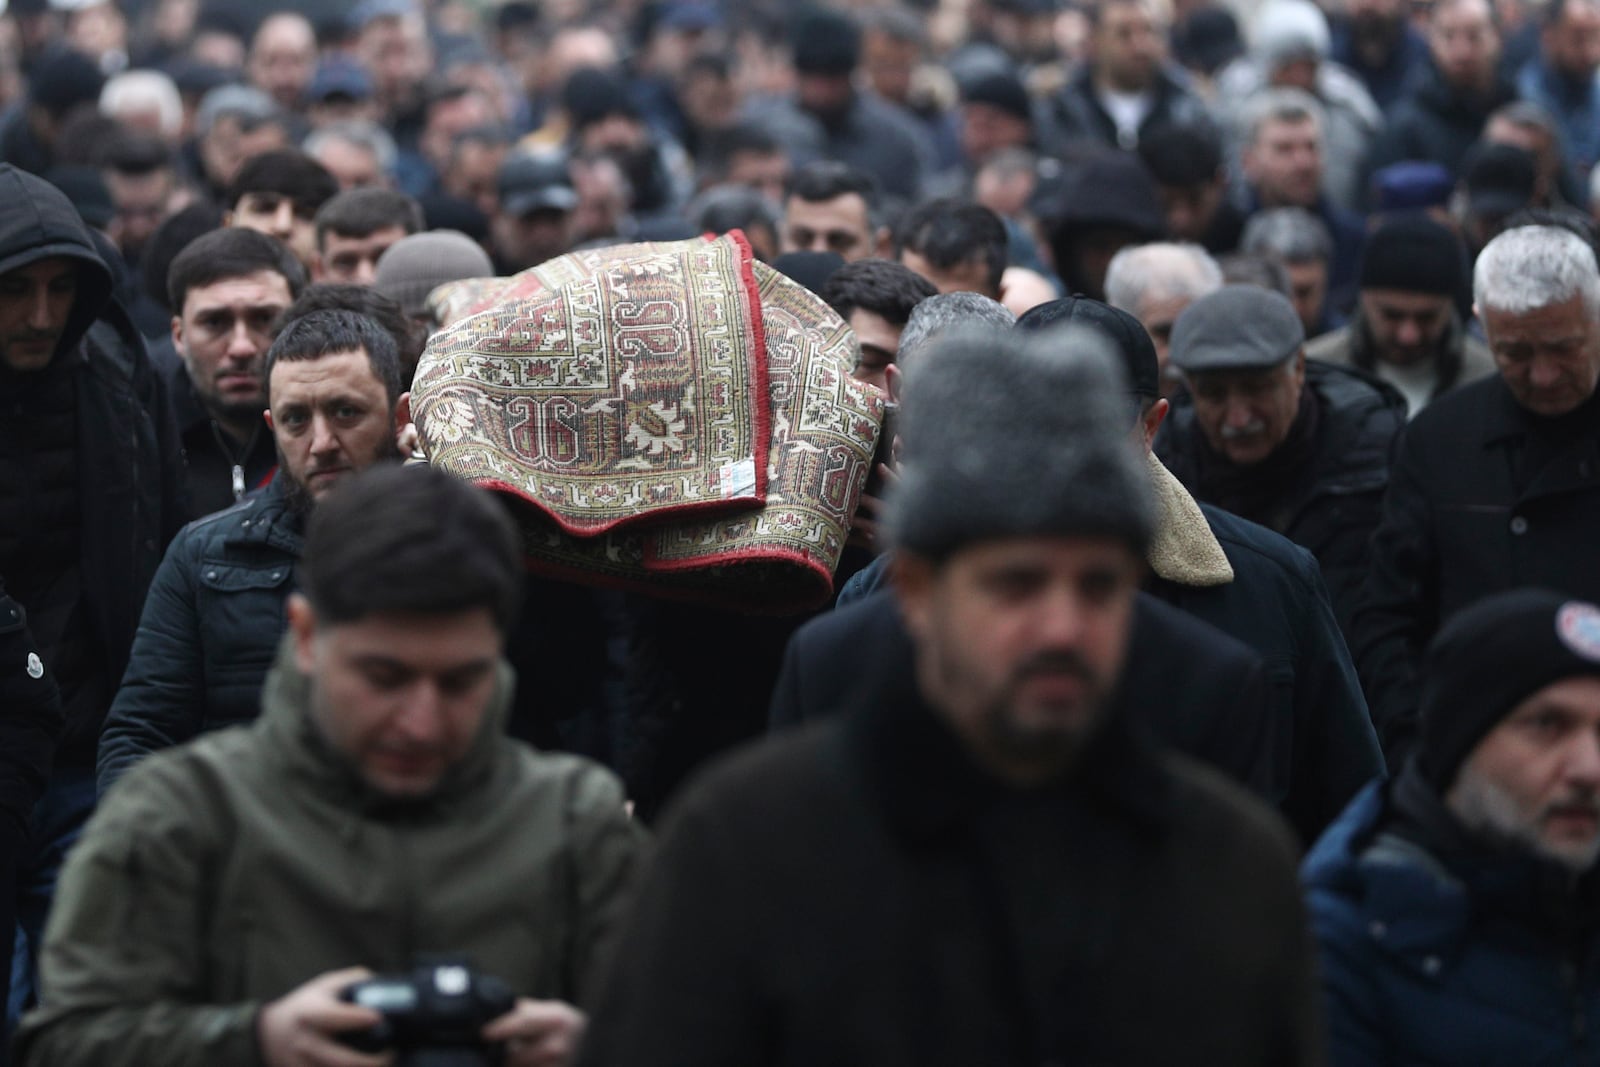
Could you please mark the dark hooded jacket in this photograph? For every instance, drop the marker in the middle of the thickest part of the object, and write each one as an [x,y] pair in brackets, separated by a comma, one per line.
[1435,122]
[100,463]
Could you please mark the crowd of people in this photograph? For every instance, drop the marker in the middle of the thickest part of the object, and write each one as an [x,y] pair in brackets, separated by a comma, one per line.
[1212,674]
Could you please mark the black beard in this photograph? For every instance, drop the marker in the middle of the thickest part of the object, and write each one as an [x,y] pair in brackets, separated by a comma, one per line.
[298,499]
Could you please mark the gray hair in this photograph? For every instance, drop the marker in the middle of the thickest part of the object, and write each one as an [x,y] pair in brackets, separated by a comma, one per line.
[1287,234]
[1531,267]
[359,132]
[1161,271]
[1279,105]
[137,90]
[938,314]
[251,107]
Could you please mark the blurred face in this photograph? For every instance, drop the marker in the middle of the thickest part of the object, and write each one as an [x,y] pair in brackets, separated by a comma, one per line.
[1406,327]
[1094,251]
[1465,45]
[1376,19]
[839,225]
[35,303]
[1285,163]
[222,334]
[1247,414]
[889,64]
[1157,314]
[880,341]
[766,172]
[277,216]
[1129,46]
[141,202]
[354,260]
[401,696]
[331,419]
[283,59]
[986,129]
[227,145]
[447,120]
[710,102]
[1020,643]
[1533,141]
[825,95]
[1534,780]
[523,241]
[474,174]
[1573,45]
[1549,357]
[1190,209]
[1308,292]
[968,276]
[396,53]
[351,165]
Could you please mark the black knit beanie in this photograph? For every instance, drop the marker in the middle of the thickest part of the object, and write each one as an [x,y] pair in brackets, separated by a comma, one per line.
[1414,254]
[1488,659]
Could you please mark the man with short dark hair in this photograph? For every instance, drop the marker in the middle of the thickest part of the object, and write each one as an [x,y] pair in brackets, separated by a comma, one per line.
[141,175]
[215,611]
[375,815]
[746,154]
[955,244]
[1454,907]
[908,882]
[1300,448]
[876,298]
[1186,162]
[1405,328]
[1496,484]
[279,193]
[830,208]
[227,290]
[355,228]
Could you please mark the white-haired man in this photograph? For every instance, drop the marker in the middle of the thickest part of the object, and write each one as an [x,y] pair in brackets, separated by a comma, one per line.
[1497,484]
[1154,283]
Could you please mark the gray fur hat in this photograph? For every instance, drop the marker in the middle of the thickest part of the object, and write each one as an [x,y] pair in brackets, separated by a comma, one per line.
[1012,435]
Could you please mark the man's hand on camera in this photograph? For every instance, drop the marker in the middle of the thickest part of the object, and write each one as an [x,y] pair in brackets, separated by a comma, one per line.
[538,1033]
[301,1028]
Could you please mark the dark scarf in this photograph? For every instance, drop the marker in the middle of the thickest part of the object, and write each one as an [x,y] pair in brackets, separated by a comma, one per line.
[1261,492]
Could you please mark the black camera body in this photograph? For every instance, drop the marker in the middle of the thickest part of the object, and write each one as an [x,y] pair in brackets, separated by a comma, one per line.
[433,1016]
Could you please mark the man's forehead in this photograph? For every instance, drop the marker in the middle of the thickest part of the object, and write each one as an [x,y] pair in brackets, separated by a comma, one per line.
[331,372]
[259,289]
[847,209]
[47,269]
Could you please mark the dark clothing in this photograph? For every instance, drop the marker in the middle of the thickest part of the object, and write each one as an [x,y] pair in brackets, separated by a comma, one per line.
[1278,605]
[1436,123]
[1193,689]
[1227,227]
[860,892]
[125,461]
[210,454]
[1388,81]
[1437,949]
[1321,489]
[1076,113]
[1485,497]
[19,146]
[873,135]
[209,632]
[1458,358]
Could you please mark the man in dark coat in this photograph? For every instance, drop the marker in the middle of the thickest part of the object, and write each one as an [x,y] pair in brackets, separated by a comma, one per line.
[1458,908]
[1497,484]
[90,475]
[1450,97]
[981,863]
[1301,448]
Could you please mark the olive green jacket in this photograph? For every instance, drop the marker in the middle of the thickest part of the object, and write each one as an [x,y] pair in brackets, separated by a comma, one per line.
[224,873]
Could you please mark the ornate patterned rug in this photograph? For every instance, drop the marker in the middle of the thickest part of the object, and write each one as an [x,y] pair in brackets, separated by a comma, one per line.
[676,418]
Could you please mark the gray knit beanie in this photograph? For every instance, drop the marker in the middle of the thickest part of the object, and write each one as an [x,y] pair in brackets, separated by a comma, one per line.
[415,266]
[1011,435]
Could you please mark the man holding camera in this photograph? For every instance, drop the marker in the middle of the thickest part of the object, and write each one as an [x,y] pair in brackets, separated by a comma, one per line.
[231,892]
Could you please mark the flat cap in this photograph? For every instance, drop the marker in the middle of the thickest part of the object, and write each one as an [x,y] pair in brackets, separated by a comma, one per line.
[1238,327]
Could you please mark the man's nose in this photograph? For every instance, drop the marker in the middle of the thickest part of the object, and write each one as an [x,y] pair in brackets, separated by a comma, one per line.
[323,439]
[366,272]
[421,715]
[1543,373]
[1409,333]
[39,313]
[1238,413]
[283,219]
[1582,766]
[241,345]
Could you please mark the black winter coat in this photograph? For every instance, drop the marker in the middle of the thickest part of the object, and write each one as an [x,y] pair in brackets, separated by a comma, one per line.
[1190,686]
[1436,123]
[860,893]
[1456,529]
[1076,114]
[1333,507]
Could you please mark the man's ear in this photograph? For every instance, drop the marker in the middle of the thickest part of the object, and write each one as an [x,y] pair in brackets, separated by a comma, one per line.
[266,413]
[893,382]
[1152,420]
[884,242]
[177,334]
[319,269]
[402,412]
[227,218]
[303,630]
[911,577]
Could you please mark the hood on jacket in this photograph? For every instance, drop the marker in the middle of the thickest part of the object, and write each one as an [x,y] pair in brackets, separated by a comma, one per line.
[41,223]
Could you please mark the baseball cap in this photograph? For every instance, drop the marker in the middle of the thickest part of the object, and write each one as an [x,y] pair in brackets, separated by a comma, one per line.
[340,77]
[1238,327]
[536,182]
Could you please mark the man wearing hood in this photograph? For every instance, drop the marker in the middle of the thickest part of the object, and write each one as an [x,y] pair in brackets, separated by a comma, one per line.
[374,814]
[89,488]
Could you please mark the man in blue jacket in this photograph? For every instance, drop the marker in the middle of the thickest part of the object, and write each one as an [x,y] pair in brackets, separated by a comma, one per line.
[1458,909]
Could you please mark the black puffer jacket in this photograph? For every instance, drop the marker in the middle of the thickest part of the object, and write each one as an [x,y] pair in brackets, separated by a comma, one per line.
[1333,505]
[126,450]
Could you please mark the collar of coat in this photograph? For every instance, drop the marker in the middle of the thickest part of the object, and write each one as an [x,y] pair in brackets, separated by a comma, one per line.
[311,762]
[1184,551]
[929,786]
